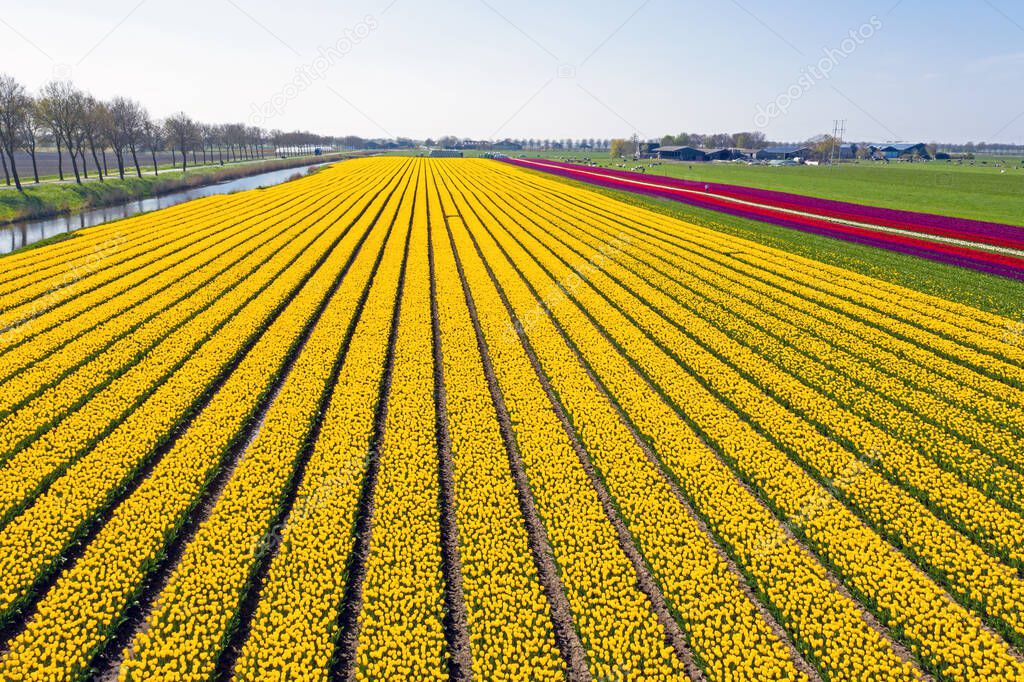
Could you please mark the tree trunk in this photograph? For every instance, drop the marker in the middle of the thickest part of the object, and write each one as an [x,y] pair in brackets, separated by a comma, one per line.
[135,160]
[119,155]
[220,153]
[103,154]
[85,166]
[35,168]
[60,158]
[14,171]
[193,156]
[96,160]
[184,160]
[156,171]
[7,175]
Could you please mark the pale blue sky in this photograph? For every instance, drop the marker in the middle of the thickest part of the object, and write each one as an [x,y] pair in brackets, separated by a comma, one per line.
[918,70]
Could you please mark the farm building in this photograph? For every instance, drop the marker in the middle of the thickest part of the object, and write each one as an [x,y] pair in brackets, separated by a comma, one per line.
[902,150]
[445,153]
[782,153]
[725,154]
[679,153]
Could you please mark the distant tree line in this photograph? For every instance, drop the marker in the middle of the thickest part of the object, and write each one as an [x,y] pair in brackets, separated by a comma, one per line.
[86,130]
[993,148]
[743,140]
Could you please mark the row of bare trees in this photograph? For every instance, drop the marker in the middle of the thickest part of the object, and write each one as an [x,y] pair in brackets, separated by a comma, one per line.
[85,129]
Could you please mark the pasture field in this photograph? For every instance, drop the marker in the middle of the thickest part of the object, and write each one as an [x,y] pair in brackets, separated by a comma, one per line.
[442,419]
[978,192]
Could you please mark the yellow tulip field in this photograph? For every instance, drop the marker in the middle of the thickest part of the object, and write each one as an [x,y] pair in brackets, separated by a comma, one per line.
[450,419]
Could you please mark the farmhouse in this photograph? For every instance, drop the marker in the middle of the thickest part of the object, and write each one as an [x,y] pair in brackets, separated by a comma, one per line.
[445,153]
[782,153]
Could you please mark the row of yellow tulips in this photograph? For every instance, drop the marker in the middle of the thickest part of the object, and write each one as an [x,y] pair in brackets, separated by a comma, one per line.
[79,613]
[621,635]
[692,279]
[703,593]
[294,628]
[50,300]
[115,405]
[54,352]
[977,577]
[400,630]
[915,329]
[827,626]
[90,245]
[867,490]
[963,318]
[786,485]
[693,247]
[509,620]
[950,321]
[195,612]
[47,391]
[33,541]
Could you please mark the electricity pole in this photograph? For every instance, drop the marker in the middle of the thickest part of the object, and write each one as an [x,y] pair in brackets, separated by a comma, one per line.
[838,130]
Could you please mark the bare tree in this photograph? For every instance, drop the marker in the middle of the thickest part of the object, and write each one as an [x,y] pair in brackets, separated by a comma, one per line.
[132,122]
[95,126]
[126,117]
[63,107]
[32,129]
[114,134]
[256,137]
[15,109]
[218,137]
[153,137]
[181,133]
[234,134]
